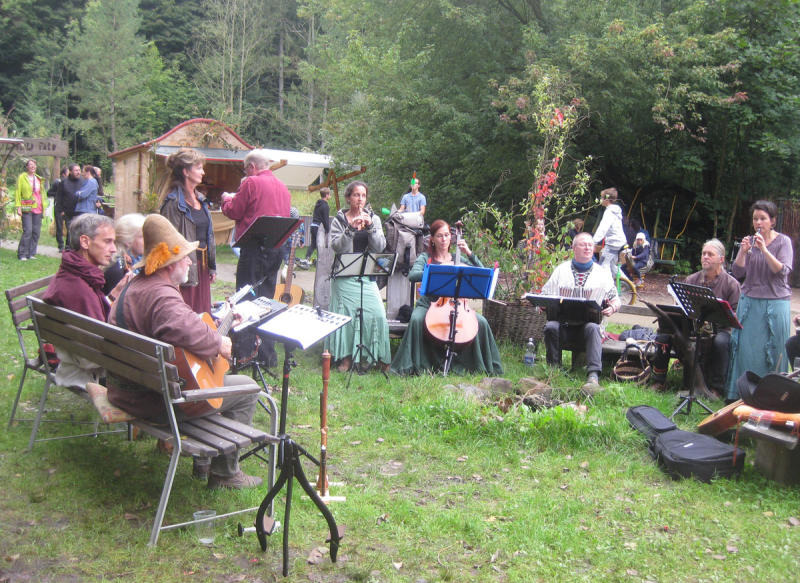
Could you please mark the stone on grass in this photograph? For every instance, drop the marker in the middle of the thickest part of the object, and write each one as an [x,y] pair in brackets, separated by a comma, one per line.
[469,391]
[497,385]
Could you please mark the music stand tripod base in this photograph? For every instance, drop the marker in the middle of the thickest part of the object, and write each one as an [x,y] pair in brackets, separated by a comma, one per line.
[296,327]
[700,305]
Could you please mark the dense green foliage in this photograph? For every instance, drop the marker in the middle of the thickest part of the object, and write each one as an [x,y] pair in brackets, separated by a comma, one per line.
[689,103]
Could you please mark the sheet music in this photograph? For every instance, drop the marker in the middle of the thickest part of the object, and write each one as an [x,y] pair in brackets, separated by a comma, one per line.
[257,310]
[302,325]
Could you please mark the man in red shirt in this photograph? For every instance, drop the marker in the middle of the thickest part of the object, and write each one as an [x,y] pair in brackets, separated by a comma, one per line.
[260,194]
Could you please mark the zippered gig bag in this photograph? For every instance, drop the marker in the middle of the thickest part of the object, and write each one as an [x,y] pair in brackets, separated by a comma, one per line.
[682,454]
[649,421]
[772,392]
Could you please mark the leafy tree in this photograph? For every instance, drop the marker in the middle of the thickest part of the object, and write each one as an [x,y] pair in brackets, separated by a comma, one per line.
[106,54]
[410,91]
[170,98]
[230,56]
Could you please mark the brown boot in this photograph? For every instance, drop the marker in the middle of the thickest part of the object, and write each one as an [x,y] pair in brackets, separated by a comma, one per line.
[237,481]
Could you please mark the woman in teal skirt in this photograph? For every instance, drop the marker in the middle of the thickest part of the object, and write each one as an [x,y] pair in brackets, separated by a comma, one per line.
[417,352]
[357,229]
[765,261]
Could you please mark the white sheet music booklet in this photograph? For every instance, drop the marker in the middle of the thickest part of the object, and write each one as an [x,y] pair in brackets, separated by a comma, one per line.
[302,325]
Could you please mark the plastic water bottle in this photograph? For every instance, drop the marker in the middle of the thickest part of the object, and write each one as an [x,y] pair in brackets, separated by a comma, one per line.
[530,353]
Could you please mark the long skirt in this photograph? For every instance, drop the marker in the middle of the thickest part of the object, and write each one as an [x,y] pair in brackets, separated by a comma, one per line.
[346,299]
[417,353]
[760,345]
[199,296]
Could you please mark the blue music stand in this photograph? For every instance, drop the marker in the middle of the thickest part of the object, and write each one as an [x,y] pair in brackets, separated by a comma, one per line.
[457,282]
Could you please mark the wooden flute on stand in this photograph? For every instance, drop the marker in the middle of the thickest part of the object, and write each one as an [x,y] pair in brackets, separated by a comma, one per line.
[322,479]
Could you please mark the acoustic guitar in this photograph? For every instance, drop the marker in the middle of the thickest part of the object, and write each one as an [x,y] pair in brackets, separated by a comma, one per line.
[720,421]
[290,294]
[201,373]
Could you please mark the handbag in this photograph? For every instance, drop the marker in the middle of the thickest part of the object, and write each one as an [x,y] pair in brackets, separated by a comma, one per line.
[633,367]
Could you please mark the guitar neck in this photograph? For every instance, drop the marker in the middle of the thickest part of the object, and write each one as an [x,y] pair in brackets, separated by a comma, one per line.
[225,324]
[289,271]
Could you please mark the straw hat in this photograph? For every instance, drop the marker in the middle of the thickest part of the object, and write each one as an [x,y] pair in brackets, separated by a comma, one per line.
[163,244]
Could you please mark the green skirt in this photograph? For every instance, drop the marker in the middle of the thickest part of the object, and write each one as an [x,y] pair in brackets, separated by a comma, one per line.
[417,353]
[346,294]
[760,345]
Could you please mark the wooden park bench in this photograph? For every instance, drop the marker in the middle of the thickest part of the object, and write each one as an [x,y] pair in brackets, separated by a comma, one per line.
[148,363]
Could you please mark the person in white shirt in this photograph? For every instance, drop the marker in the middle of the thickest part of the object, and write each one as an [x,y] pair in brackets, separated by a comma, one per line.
[611,230]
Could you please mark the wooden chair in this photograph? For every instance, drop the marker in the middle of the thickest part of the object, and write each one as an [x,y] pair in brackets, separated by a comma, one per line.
[32,359]
[148,363]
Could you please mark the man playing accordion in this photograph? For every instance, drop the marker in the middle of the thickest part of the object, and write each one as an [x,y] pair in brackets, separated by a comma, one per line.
[583,278]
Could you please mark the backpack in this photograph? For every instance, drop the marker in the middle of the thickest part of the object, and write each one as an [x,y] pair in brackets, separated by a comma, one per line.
[405,235]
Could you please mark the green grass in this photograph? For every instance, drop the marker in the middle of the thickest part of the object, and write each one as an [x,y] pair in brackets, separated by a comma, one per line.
[438,489]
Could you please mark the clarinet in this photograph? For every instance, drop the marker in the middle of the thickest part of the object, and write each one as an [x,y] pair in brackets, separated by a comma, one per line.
[322,479]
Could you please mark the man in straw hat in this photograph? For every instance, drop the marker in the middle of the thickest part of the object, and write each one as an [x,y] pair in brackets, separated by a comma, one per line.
[152,305]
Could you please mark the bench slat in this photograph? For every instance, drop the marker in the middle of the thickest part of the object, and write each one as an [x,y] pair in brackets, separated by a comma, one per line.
[189,446]
[111,333]
[137,369]
[199,426]
[255,435]
[194,395]
[223,444]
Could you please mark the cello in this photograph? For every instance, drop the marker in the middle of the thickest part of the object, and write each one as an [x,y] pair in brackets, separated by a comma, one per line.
[438,319]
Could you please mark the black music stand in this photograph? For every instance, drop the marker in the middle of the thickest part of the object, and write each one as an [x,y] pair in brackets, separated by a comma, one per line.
[456,282]
[360,265]
[700,305]
[298,327]
[567,310]
[268,232]
[265,235]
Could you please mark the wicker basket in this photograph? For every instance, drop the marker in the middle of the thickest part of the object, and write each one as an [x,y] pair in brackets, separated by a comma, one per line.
[514,321]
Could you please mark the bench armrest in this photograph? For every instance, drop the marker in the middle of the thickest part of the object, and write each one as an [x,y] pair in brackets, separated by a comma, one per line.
[214,393]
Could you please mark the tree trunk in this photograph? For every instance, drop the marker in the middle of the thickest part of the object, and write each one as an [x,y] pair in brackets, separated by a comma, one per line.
[281,71]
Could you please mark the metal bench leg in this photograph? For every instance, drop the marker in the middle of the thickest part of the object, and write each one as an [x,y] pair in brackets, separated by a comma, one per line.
[165,492]
[19,393]
[39,414]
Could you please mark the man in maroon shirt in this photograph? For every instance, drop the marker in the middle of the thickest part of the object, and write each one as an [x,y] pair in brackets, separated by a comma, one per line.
[78,286]
[714,364]
[260,194]
[152,305]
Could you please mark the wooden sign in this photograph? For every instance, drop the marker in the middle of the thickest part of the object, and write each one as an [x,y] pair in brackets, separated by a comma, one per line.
[43,147]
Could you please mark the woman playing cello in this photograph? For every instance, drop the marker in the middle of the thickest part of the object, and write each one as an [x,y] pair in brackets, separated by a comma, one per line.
[417,352]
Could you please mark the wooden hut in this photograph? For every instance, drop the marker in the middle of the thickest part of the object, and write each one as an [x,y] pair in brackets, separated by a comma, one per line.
[142,179]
